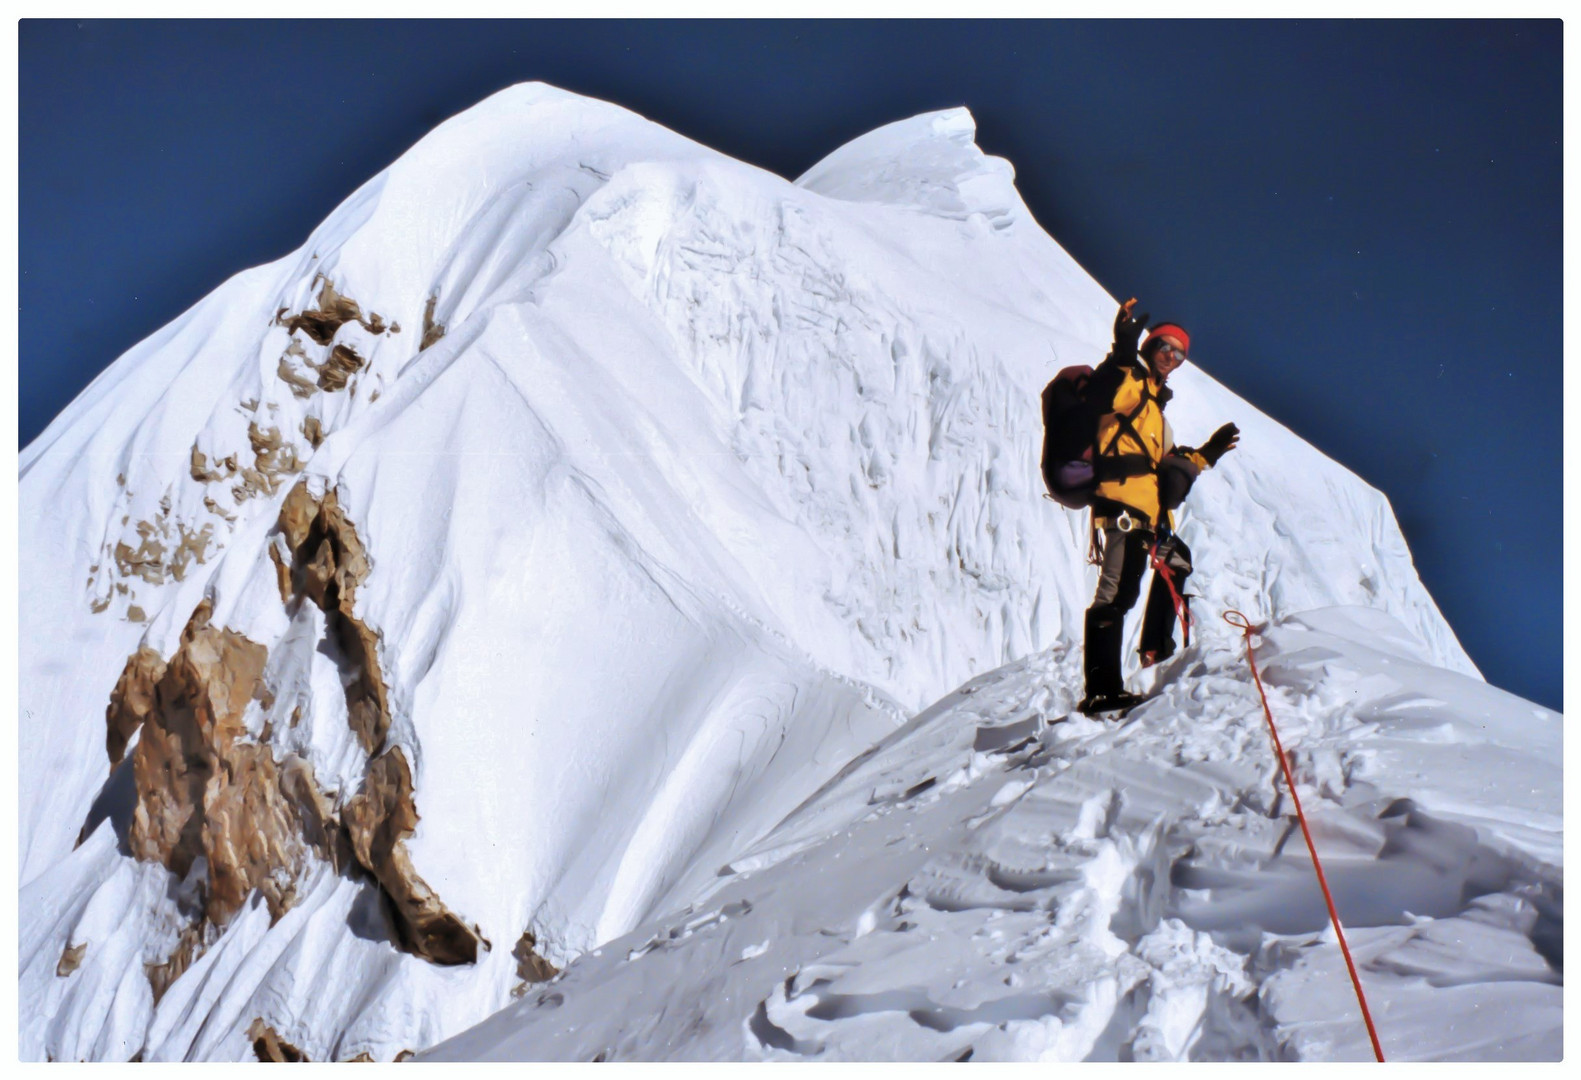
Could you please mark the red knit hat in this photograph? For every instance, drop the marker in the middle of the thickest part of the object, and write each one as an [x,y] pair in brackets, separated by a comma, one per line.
[1173,331]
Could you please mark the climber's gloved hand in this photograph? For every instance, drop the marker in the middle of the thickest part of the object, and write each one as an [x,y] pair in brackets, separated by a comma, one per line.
[1128,330]
[1220,443]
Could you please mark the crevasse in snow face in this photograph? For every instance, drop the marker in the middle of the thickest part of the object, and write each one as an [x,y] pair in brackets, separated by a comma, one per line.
[676,485]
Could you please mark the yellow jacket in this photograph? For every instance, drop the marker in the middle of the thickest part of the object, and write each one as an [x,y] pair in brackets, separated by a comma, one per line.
[1136,426]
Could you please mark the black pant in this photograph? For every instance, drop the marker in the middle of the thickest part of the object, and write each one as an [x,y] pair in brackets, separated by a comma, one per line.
[1119,585]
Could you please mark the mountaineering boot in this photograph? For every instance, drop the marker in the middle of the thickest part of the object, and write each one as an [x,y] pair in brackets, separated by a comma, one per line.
[1121,702]
[1101,658]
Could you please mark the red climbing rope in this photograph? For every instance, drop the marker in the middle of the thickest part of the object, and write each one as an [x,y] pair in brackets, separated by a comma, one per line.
[1181,613]
[1235,618]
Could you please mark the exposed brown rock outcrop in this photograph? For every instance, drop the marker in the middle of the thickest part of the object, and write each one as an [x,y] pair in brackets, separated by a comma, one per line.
[333,311]
[70,959]
[269,1046]
[343,362]
[432,331]
[254,483]
[282,574]
[377,820]
[189,946]
[530,967]
[320,324]
[253,833]
[132,700]
[328,562]
[222,469]
[274,459]
[214,508]
[201,789]
[301,386]
[155,559]
[190,546]
[321,828]
[206,788]
[271,453]
[147,560]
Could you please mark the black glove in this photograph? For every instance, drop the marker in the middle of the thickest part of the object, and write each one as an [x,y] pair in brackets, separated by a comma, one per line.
[1128,331]
[1220,443]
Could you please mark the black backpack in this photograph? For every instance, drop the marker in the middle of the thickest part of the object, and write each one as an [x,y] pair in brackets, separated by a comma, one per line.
[1070,430]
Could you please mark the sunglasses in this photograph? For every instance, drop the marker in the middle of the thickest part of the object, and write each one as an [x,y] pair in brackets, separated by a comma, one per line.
[1165,349]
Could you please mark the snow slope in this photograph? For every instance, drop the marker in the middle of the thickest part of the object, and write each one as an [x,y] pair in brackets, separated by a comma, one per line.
[1002,881]
[653,489]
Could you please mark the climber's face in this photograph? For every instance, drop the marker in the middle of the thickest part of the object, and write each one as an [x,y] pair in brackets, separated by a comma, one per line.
[1167,356]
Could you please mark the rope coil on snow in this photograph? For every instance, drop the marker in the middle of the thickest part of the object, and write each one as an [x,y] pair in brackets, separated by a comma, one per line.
[1236,619]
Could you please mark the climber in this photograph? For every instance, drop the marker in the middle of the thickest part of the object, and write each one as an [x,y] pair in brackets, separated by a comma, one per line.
[1142,476]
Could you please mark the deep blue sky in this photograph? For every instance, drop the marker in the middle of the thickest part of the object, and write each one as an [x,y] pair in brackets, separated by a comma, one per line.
[1359,222]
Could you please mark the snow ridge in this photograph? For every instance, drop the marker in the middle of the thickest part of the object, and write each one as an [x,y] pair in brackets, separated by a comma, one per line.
[1003,881]
[928,163]
[678,486]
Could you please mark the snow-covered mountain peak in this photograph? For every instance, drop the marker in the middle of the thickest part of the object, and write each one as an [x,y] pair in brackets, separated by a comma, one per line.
[471,585]
[495,181]
[929,163]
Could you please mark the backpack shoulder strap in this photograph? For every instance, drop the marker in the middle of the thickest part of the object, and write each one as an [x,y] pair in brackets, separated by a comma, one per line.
[1127,422]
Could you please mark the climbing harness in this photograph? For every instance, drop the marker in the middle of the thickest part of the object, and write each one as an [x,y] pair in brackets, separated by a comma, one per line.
[1181,612]
[1236,619]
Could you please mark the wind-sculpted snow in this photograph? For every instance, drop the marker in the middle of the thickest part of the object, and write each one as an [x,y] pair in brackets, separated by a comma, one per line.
[927,163]
[675,485]
[1000,880]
